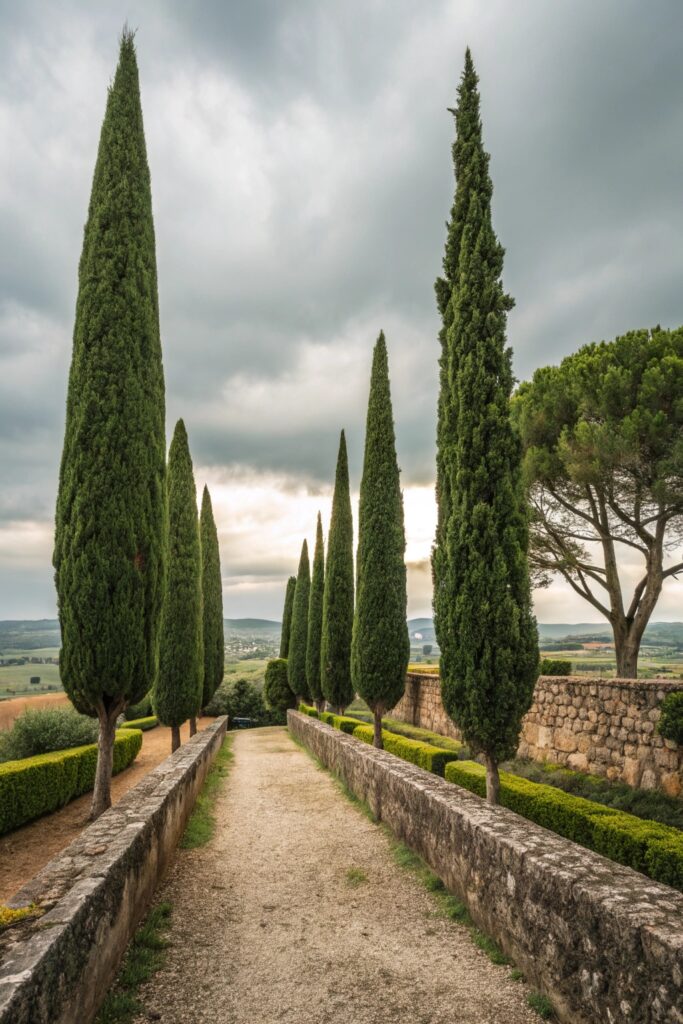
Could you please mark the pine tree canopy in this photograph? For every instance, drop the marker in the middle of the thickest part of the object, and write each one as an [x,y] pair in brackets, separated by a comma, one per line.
[287,617]
[335,646]
[212,594]
[178,693]
[381,646]
[298,637]
[315,617]
[110,518]
[482,603]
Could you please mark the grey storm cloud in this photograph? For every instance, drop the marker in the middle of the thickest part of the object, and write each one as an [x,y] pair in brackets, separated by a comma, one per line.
[302,177]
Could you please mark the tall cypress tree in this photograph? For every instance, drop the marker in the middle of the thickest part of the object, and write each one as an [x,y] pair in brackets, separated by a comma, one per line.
[110,518]
[486,629]
[212,595]
[381,647]
[335,644]
[178,692]
[298,637]
[287,617]
[315,619]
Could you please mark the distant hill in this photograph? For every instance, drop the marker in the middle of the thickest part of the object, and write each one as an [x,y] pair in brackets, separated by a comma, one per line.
[267,625]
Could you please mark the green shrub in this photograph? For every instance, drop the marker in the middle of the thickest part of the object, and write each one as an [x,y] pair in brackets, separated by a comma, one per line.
[328,717]
[143,709]
[276,690]
[144,724]
[647,846]
[424,755]
[670,725]
[555,667]
[238,699]
[43,730]
[37,785]
[308,709]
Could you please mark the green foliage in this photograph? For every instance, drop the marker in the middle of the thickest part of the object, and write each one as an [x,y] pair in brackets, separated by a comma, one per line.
[110,518]
[37,785]
[42,730]
[482,600]
[144,957]
[604,465]
[555,667]
[424,755]
[276,690]
[144,724]
[212,602]
[178,692]
[315,617]
[647,846]
[143,709]
[670,725]
[202,824]
[335,645]
[238,699]
[298,637]
[414,732]
[287,617]
[308,709]
[541,1004]
[380,647]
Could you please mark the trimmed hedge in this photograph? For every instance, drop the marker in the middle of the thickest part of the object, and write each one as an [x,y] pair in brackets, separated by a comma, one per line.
[555,667]
[142,723]
[37,785]
[655,850]
[424,755]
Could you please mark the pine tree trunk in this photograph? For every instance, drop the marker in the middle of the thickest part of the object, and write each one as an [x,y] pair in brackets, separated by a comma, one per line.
[175,738]
[101,798]
[627,659]
[492,781]
[193,726]
[377,740]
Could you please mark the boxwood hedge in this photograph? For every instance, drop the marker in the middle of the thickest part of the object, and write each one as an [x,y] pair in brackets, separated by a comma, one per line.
[150,722]
[424,755]
[37,785]
[647,846]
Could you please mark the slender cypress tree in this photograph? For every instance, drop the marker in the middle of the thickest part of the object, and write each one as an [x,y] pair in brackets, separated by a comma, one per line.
[212,594]
[315,619]
[178,692]
[381,647]
[110,519]
[486,629]
[298,637]
[335,644]
[287,617]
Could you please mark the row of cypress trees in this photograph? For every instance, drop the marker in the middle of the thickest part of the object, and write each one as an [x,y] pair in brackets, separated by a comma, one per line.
[337,647]
[139,597]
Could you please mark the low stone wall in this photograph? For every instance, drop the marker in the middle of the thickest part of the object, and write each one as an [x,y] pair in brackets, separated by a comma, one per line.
[56,969]
[604,726]
[603,942]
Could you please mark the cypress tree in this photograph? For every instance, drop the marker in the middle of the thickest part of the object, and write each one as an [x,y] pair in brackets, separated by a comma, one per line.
[178,693]
[110,518]
[298,637]
[212,595]
[287,617]
[486,630]
[381,647]
[315,619]
[335,644]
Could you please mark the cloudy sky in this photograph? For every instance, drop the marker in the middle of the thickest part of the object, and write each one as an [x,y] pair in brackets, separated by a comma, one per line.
[301,174]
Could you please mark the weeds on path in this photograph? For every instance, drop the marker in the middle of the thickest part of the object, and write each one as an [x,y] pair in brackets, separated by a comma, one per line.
[202,824]
[144,957]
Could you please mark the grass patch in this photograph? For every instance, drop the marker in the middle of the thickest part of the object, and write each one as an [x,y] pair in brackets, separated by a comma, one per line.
[516,974]
[490,947]
[144,957]
[541,1004]
[202,824]
[356,876]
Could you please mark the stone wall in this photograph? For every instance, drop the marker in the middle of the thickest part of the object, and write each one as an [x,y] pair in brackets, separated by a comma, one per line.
[603,726]
[56,969]
[603,942]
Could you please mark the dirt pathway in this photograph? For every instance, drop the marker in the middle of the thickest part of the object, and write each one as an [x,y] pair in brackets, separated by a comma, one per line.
[24,852]
[268,926]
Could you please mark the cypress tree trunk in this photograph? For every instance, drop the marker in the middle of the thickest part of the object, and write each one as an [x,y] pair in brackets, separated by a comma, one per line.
[381,647]
[482,598]
[175,738]
[212,593]
[178,693]
[111,516]
[287,617]
[107,714]
[193,725]
[377,723]
[298,639]
[315,619]
[335,644]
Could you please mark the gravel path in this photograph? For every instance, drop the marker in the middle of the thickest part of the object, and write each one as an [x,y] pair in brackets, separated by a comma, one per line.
[267,925]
